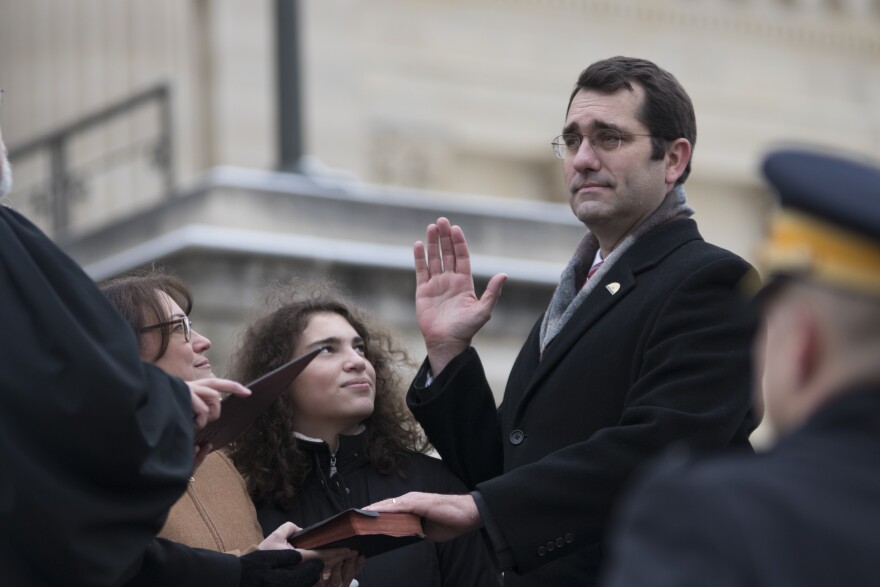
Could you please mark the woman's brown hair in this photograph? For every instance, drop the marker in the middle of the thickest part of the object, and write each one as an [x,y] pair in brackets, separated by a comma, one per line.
[135,296]
[267,454]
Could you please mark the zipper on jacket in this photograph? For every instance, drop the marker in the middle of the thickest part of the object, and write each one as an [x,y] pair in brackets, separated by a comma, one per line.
[334,472]
[333,457]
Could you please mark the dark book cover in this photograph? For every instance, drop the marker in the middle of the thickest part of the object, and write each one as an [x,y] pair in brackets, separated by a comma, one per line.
[238,413]
[370,533]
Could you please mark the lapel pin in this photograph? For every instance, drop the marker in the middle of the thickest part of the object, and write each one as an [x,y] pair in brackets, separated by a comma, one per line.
[613,287]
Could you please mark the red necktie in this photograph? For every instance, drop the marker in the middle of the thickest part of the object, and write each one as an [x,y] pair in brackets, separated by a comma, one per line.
[593,269]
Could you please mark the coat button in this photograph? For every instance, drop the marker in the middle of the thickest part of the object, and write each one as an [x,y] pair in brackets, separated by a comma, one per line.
[517,436]
[560,542]
[569,538]
[551,546]
[542,551]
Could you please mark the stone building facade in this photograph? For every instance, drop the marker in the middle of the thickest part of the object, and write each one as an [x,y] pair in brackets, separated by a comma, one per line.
[411,109]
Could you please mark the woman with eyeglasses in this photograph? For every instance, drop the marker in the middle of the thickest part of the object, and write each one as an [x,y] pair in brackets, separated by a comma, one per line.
[342,436]
[216,512]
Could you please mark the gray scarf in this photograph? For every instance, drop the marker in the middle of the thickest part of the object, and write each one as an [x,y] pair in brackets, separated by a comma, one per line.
[568,296]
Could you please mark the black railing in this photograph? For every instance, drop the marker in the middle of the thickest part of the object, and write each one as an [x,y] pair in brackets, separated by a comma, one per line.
[61,169]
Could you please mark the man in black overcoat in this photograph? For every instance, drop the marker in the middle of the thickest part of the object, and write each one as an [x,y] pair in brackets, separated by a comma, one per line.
[807,512]
[644,343]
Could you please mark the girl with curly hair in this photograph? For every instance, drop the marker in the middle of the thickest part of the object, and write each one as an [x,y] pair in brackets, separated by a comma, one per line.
[342,436]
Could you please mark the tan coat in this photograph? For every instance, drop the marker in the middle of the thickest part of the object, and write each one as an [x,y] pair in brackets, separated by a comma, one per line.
[216,511]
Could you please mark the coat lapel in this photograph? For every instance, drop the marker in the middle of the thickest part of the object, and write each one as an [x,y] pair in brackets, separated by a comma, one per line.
[594,307]
[620,280]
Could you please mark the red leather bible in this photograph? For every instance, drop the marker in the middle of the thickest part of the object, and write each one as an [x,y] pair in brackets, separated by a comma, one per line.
[368,532]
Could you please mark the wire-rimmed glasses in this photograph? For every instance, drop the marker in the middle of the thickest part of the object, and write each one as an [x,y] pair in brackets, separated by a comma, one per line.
[567,145]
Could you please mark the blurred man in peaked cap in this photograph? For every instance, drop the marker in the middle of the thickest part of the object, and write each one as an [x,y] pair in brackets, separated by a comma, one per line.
[807,512]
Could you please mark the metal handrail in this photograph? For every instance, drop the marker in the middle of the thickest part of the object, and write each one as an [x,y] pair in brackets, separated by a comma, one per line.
[62,180]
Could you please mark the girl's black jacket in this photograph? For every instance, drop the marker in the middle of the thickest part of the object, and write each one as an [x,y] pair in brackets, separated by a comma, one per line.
[462,562]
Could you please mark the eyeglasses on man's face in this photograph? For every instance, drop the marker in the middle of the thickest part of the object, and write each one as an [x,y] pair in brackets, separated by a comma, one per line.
[180,325]
[566,146]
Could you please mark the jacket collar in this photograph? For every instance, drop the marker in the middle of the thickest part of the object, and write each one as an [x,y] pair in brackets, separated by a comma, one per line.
[854,410]
[660,243]
[350,449]
[302,437]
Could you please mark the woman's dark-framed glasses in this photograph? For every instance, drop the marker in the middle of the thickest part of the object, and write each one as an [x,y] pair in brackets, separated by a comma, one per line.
[184,321]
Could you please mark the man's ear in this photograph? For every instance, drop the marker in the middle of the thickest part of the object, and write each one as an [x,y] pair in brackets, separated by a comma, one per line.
[678,154]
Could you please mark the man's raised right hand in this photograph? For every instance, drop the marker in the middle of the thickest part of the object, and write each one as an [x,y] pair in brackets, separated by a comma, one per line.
[447,307]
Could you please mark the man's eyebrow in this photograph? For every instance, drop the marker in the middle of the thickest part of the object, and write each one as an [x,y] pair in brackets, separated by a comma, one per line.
[573,127]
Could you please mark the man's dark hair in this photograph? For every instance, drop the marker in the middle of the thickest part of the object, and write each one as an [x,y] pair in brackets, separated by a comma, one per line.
[667,111]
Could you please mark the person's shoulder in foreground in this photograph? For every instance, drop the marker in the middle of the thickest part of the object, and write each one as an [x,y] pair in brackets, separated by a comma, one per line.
[81,404]
[801,514]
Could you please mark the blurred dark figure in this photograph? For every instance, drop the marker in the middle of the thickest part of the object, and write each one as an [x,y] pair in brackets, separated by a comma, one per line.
[807,512]
[95,445]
